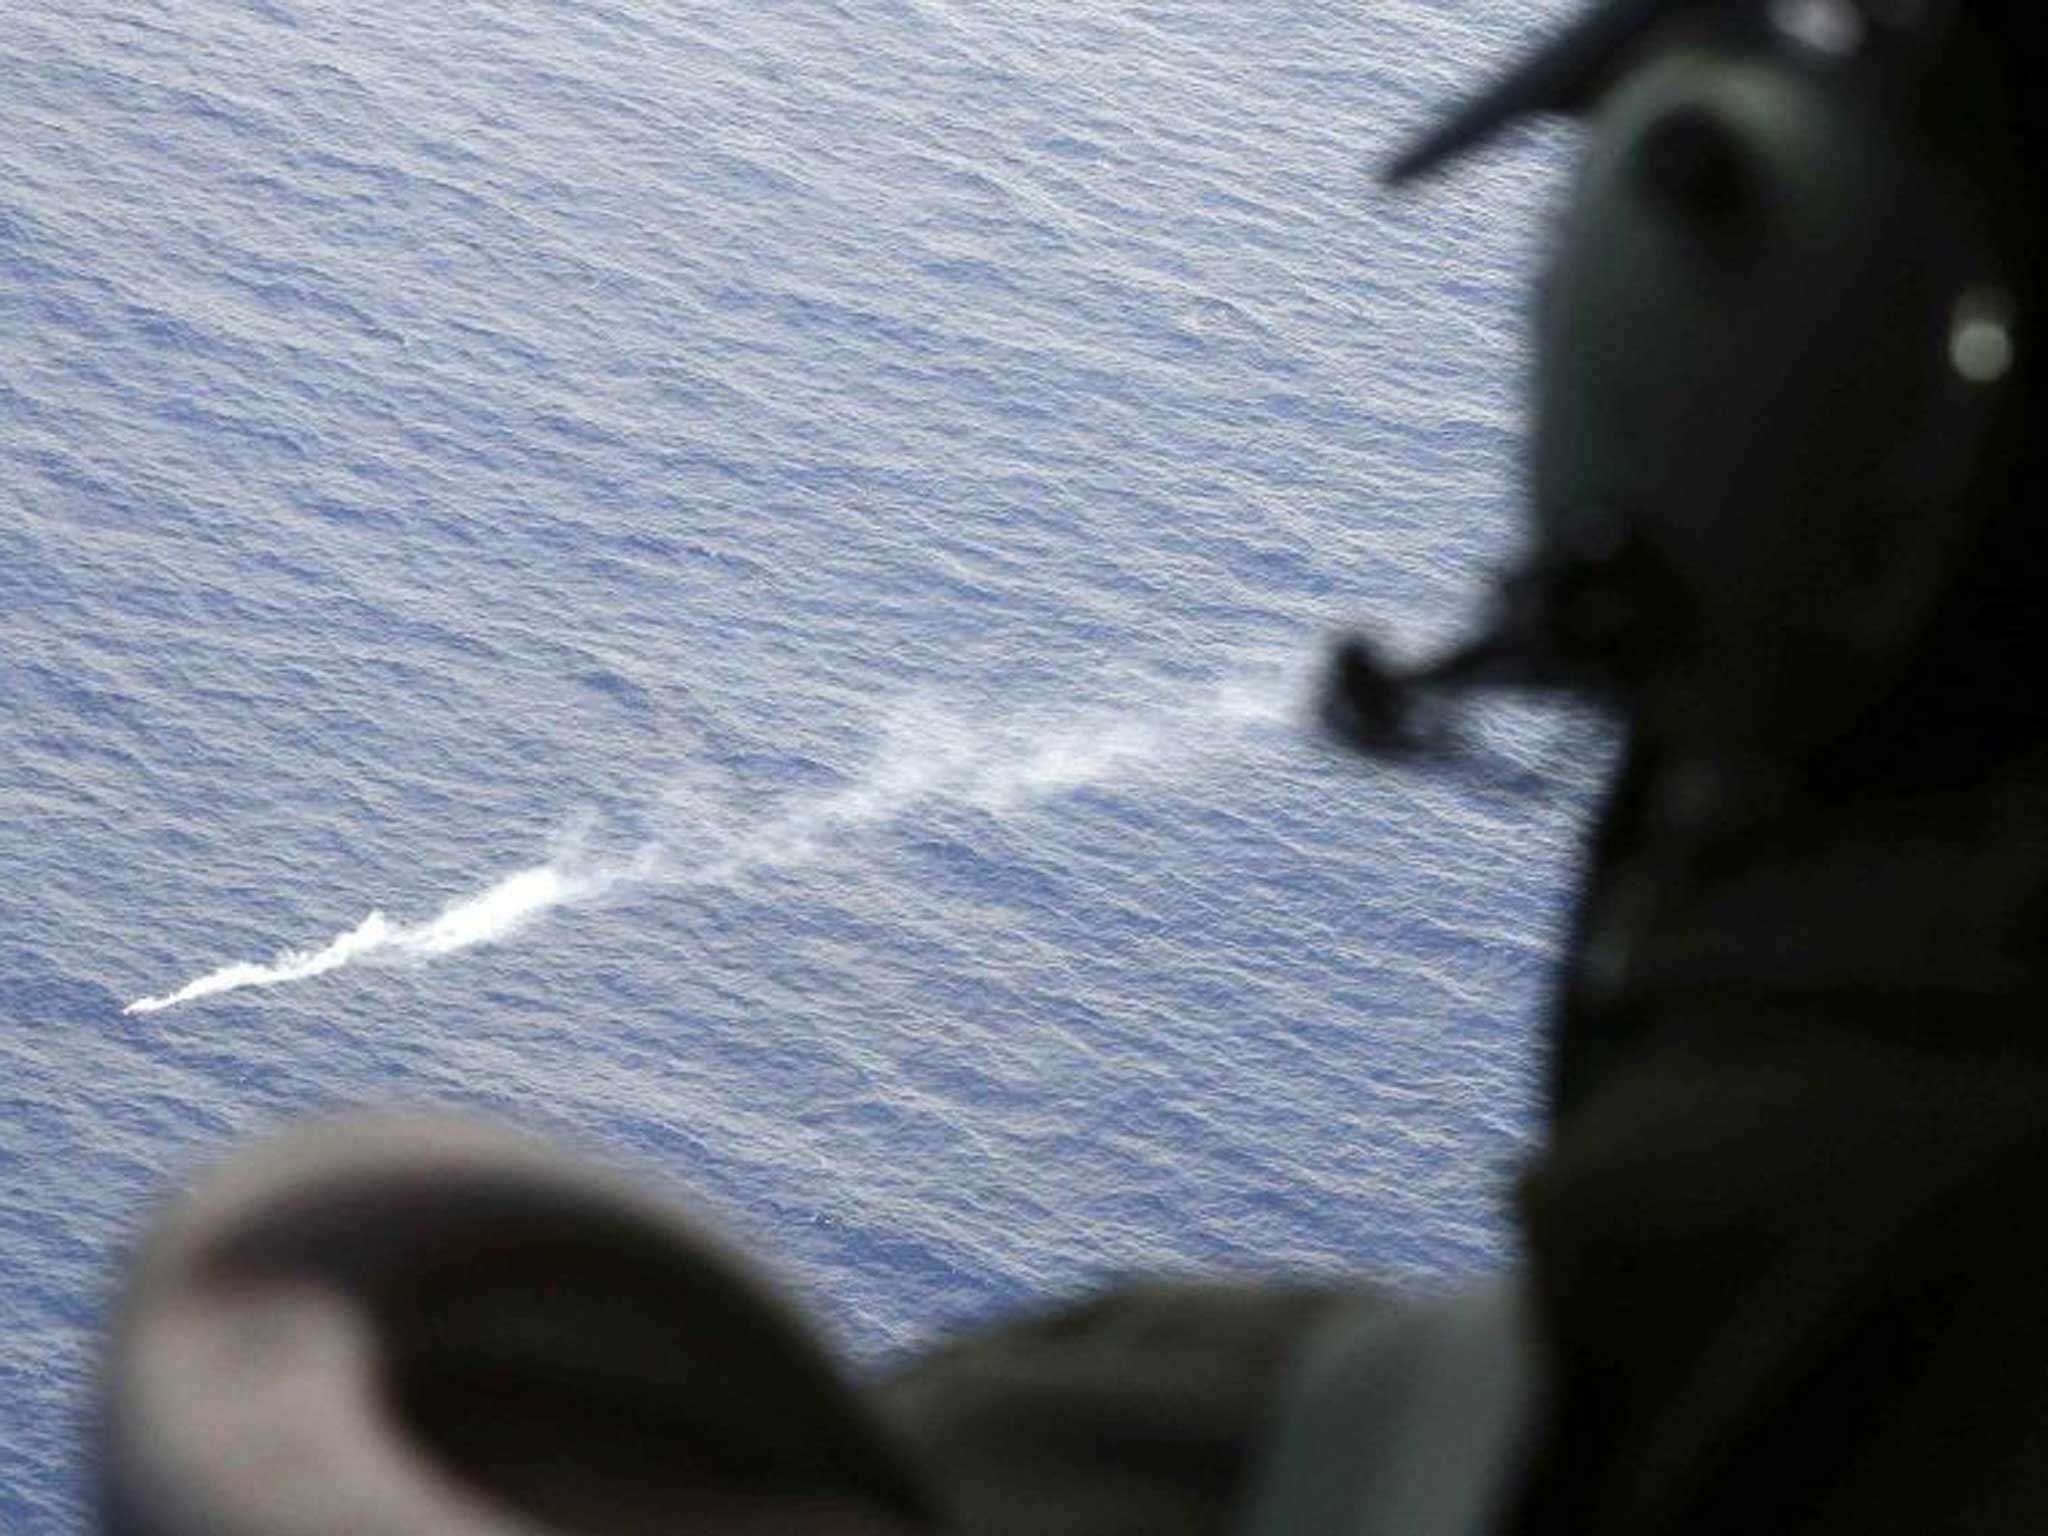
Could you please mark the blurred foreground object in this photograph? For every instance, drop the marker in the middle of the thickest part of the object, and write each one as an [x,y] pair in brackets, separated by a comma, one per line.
[1788,466]
[409,1327]
[400,1326]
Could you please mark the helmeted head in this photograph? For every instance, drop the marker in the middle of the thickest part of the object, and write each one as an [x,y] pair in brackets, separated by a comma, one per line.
[1785,375]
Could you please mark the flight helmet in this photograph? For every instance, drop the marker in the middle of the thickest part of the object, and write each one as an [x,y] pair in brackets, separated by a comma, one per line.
[1784,370]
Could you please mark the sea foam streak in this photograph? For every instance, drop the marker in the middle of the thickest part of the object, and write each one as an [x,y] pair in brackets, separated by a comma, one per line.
[492,914]
[927,755]
[372,933]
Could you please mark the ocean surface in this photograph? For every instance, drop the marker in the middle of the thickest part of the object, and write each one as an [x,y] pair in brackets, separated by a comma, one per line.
[780,547]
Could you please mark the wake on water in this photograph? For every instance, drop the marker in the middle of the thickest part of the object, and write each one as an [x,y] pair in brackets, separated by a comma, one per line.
[493,914]
[928,756]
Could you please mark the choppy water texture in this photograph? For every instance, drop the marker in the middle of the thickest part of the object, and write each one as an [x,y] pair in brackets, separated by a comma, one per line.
[733,582]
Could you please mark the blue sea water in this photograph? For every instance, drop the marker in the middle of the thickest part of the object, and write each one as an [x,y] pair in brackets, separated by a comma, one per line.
[846,502]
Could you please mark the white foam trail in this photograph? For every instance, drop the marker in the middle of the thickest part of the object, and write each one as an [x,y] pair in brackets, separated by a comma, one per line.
[928,755]
[372,933]
[512,902]
[490,915]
